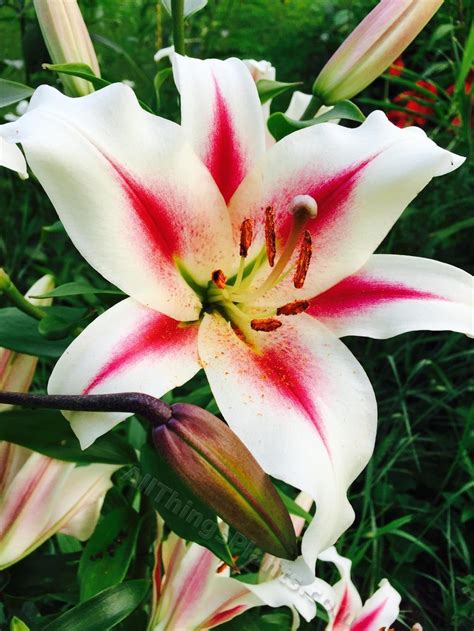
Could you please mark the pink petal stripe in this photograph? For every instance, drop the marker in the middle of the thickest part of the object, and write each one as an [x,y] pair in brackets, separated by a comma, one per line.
[154,213]
[224,157]
[283,371]
[366,622]
[356,293]
[224,616]
[193,585]
[31,485]
[156,334]
[331,194]
[342,612]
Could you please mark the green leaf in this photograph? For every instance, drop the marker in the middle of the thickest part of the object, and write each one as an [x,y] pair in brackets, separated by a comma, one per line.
[68,544]
[18,625]
[104,610]
[11,92]
[268,89]
[49,433]
[292,507]
[108,553]
[77,289]
[280,125]
[160,78]
[19,332]
[181,509]
[466,62]
[83,71]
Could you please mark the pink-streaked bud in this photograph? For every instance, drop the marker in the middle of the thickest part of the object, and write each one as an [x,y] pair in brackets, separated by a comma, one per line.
[40,496]
[217,466]
[67,39]
[16,369]
[370,49]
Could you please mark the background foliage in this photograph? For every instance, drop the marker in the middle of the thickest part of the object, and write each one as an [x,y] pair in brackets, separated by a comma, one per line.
[414,503]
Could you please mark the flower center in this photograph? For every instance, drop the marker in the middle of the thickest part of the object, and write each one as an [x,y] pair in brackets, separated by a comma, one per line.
[237,298]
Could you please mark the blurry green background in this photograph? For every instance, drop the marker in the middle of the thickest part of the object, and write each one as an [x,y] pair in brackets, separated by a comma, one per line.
[414,503]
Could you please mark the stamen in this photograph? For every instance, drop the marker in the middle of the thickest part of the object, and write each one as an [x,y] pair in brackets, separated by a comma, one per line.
[304,259]
[218,278]
[265,324]
[293,308]
[246,236]
[270,235]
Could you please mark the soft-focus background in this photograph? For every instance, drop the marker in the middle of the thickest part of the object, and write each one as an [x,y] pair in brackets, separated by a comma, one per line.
[415,501]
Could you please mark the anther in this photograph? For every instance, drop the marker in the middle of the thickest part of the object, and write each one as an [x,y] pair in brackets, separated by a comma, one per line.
[304,207]
[304,259]
[270,236]
[293,308]
[218,278]
[246,236]
[265,324]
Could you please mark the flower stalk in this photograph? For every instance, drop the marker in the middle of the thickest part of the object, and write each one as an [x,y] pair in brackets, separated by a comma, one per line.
[177,14]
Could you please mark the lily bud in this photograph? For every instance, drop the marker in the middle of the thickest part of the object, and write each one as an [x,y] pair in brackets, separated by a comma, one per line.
[40,496]
[211,460]
[16,369]
[67,40]
[370,49]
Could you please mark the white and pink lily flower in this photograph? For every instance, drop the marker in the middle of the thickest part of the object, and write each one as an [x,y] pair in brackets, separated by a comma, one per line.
[347,612]
[40,496]
[248,263]
[193,589]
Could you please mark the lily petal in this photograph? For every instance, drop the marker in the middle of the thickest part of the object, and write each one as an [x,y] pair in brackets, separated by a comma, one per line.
[395,294]
[132,194]
[221,115]
[347,612]
[127,348]
[380,610]
[304,407]
[12,158]
[362,179]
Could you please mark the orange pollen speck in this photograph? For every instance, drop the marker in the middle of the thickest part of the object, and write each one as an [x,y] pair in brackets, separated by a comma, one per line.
[218,278]
[304,259]
[265,324]
[270,236]
[222,566]
[246,236]
[292,308]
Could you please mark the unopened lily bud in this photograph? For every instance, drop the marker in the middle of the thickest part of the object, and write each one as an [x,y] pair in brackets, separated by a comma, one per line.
[211,460]
[370,49]
[67,40]
[16,369]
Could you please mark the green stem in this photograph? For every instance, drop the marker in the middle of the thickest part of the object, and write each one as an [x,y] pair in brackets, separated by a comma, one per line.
[177,14]
[313,107]
[9,289]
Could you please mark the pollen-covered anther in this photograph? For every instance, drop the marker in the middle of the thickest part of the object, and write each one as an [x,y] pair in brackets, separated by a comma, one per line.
[218,278]
[265,324]
[304,259]
[304,206]
[270,235]
[246,236]
[293,308]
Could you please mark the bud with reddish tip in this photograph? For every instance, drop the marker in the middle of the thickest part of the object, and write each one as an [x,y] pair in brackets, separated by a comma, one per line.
[370,49]
[67,40]
[210,459]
